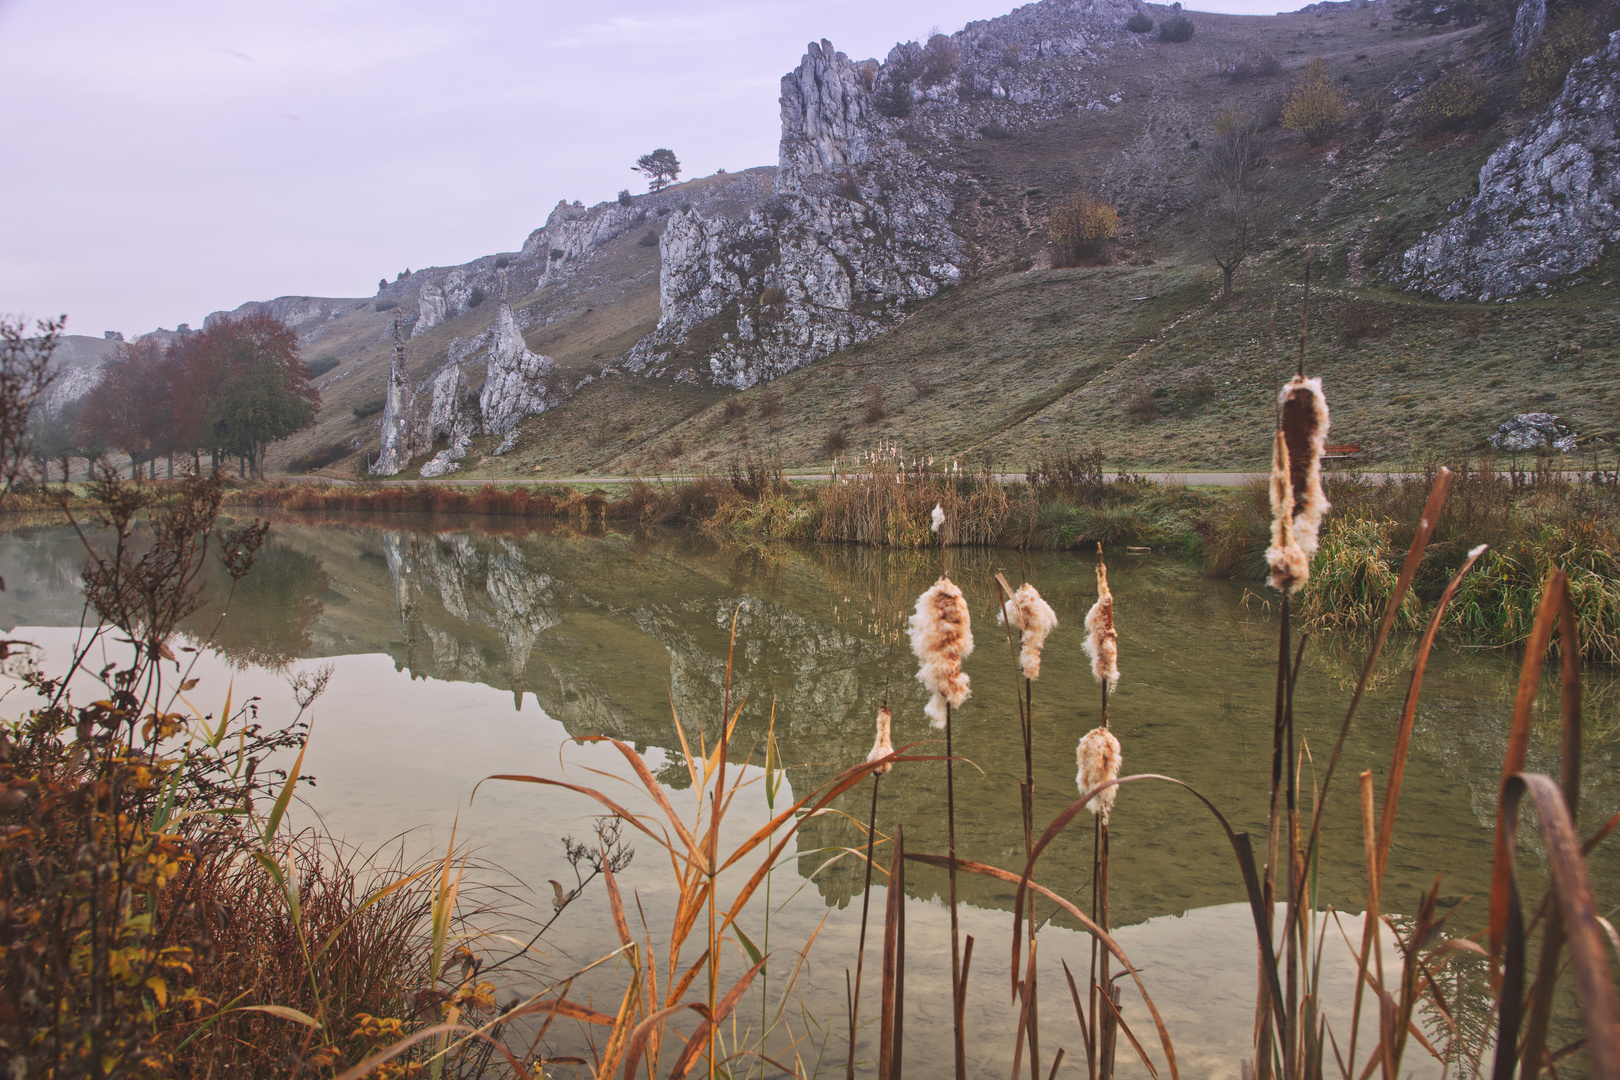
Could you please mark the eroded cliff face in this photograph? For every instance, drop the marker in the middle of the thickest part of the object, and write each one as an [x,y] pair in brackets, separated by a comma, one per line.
[861,225]
[1548,202]
[399,425]
[519,382]
[858,228]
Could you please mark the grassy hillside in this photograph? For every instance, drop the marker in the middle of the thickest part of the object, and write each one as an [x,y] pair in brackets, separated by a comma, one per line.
[1142,354]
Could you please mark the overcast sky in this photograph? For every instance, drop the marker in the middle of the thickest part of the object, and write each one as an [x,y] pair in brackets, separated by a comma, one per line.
[169,158]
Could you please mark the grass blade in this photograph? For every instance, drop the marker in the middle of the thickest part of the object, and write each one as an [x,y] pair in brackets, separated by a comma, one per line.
[1535,652]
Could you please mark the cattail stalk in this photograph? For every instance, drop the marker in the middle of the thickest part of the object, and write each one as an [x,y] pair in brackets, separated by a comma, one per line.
[941,638]
[1034,620]
[881,749]
[1098,757]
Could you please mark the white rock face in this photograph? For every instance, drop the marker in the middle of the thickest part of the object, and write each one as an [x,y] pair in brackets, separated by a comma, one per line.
[860,226]
[519,383]
[1548,202]
[851,234]
[441,300]
[1528,22]
[399,415]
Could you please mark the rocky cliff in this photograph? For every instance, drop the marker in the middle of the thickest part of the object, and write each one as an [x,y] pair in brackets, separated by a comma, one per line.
[1548,202]
[861,225]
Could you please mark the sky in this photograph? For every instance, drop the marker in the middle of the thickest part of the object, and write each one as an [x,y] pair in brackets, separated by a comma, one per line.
[170,158]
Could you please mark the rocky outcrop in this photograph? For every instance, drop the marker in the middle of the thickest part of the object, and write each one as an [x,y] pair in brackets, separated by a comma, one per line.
[1528,22]
[860,226]
[296,312]
[519,382]
[399,415]
[442,299]
[853,233]
[1548,202]
[1534,431]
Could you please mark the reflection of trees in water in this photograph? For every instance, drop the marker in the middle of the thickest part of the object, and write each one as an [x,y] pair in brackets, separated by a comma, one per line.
[271,614]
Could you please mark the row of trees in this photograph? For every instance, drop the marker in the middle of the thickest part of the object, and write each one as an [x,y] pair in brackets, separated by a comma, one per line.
[228,391]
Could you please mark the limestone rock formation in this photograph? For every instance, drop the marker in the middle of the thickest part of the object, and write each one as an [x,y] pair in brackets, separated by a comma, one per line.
[519,382]
[1548,202]
[861,226]
[852,234]
[399,415]
[442,299]
[1528,22]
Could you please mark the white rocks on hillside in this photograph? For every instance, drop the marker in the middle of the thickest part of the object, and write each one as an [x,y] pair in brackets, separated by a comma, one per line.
[519,383]
[399,415]
[1548,202]
[860,226]
[850,236]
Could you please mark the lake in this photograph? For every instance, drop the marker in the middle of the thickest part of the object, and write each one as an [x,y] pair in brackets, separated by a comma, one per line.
[460,653]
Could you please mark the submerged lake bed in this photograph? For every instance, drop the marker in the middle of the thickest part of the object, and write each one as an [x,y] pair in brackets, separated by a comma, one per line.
[458,654]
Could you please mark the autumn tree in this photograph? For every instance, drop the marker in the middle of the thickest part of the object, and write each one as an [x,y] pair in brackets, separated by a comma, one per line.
[255,388]
[1317,103]
[56,438]
[128,409]
[229,391]
[660,167]
[1080,227]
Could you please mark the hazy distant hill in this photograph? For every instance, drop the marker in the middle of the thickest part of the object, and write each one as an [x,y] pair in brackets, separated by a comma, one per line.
[889,280]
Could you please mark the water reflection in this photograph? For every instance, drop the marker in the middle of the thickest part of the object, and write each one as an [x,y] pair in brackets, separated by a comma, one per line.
[609,632]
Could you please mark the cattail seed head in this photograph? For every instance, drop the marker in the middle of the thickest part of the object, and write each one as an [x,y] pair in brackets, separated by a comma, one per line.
[1298,503]
[938,518]
[1034,619]
[1102,642]
[1098,758]
[882,748]
[942,637]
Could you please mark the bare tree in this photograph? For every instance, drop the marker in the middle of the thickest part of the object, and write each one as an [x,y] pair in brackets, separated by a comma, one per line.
[1235,216]
[1232,224]
[25,375]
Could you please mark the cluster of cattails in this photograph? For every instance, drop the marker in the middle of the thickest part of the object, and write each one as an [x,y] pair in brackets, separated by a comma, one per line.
[1098,755]
[889,461]
[1102,642]
[1034,620]
[1297,502]
[941,638]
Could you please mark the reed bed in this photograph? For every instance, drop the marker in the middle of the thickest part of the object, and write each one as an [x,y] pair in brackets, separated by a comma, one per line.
[1534,520]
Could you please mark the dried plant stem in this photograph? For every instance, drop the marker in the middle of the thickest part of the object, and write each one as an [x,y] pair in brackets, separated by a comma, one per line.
[860,953]
[1029,1014]
[958,1001]
[1100,976]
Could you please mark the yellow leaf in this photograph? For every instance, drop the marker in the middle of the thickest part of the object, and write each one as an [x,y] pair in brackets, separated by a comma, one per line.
[160,990]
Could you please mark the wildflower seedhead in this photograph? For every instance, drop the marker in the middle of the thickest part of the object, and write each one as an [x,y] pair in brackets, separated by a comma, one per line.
[882,748]
[1034,619]
[1297,501]
[1102,641]
[942,637]
[1098,759]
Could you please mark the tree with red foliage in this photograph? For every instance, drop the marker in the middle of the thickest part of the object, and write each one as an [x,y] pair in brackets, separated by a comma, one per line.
[229,390]
[127,409]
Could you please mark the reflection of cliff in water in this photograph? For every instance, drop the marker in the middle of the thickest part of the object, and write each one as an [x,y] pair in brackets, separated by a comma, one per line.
[609,631]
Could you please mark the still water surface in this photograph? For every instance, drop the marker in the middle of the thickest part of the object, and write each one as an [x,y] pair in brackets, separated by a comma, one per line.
[459,654]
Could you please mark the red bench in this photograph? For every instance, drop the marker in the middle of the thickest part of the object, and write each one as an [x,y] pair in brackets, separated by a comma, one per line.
[1344,451]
